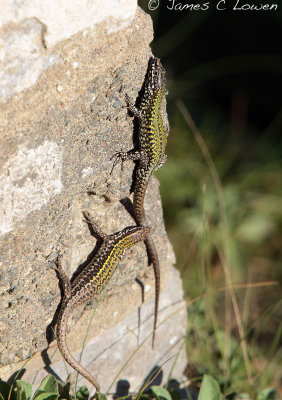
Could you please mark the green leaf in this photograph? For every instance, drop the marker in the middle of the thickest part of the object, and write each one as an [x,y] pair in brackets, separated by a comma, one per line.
[5,390]
[47,388]
[83,393]
[160,393]
[46,396]
[266,394]
[175,395]
[209,389]
[24,390]
[100,396]
[49,385]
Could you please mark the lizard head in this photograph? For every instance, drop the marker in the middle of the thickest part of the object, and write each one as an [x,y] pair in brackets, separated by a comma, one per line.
[156,75]
[135,234]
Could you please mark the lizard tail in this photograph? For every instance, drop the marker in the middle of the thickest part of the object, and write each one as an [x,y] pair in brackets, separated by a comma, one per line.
[154,259]
[61,335]
[139,195]
[138,202]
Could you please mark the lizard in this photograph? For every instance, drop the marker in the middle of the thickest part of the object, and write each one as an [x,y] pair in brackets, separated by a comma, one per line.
[151,154]
[91,281]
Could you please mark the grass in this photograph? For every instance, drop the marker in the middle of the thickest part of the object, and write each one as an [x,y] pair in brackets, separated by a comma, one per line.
[221,189]
[224,220]
[224,234]
[223,215]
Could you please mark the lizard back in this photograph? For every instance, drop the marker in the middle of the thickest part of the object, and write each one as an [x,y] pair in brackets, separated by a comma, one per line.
[94,277]
[152,135]
[90,282]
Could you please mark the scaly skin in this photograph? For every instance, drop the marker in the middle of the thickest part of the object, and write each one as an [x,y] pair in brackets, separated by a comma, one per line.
[91,281]
[151,154]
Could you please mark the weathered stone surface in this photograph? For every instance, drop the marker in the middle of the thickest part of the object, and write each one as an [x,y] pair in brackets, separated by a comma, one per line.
[62,19]
[128,341]
[56,141]
[22,56]
[28,29]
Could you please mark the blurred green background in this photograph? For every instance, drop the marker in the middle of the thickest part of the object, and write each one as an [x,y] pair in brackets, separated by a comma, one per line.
[221,187]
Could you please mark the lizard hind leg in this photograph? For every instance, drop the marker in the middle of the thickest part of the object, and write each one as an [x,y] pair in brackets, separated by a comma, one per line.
[89,220]
[63,276]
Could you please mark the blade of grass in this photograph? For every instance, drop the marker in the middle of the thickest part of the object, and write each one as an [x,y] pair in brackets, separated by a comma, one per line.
[152,377]
[174,362]
[237,286]
[84,344]
[17,374]
[99,300]
[224,256]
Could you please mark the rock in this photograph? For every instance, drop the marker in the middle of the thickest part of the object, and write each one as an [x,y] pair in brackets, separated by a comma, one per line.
[28,29]
[63,115]
[128,344]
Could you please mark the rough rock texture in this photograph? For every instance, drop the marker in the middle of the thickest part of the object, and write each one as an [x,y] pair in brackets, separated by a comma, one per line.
[63,19]
[56,141]
[29,27]
[123,355]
